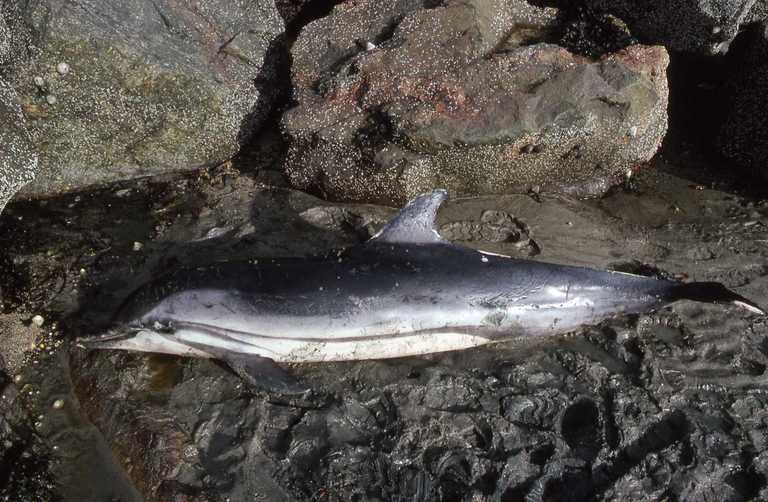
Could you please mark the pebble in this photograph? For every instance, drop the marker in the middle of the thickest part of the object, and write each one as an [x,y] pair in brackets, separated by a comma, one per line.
[62,68]
[38,320]
[51,99]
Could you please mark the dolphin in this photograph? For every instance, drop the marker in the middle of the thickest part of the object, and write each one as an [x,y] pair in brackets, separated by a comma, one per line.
[405,292]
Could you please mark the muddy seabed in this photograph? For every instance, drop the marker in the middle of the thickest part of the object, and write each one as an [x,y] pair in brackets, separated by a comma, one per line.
[665,406]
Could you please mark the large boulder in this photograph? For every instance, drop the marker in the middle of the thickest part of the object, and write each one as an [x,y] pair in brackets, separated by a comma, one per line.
[743,132]
[397,97]
[18,161]
[5,38]
[119,89]
[695,26]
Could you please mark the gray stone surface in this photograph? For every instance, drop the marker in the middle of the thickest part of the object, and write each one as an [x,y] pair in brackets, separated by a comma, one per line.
[17,39]
[696,26]
[18,160]
[150,86]
[759,12]
[5,37]
[743,133]
[395,98]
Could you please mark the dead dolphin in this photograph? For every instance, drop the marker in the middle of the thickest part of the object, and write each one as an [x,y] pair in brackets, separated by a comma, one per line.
[406,291]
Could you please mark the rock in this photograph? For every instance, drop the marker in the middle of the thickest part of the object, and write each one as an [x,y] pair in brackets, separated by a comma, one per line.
[29,478]
[759,12]
[15,39]
[448,393]
[152,86]
[18,161]
[695,26]
[743,133]
[342,219]
[15,340]
[5,39]
[467,96]
[537,411]
[518,473]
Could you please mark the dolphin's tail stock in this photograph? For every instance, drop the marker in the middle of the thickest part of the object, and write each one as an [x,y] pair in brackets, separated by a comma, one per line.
[712,292]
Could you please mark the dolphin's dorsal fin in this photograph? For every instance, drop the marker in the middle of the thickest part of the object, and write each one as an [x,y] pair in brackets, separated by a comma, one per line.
[415,223]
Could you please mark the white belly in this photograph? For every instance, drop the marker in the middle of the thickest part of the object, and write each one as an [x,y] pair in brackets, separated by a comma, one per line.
[191,342]
[291,350]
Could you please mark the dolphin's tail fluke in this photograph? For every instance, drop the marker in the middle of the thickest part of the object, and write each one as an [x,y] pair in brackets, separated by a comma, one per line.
[712,292]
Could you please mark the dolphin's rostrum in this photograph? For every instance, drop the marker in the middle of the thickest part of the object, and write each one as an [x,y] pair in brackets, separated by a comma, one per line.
[406,291]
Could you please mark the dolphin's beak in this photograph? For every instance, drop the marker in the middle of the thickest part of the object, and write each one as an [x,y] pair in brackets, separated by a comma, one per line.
[104,341]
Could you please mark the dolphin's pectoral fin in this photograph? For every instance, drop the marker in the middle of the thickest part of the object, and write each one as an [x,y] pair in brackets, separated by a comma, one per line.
[415,223]
[263,373]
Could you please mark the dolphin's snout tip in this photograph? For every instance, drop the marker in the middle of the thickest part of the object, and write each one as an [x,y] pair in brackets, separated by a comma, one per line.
[85,342]
[749,306]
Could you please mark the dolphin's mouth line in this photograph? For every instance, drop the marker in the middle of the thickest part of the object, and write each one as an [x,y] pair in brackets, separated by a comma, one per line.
[207,348]
[110,336]
[488,333]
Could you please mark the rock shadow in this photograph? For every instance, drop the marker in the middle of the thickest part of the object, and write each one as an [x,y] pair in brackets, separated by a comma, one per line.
[274,82]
